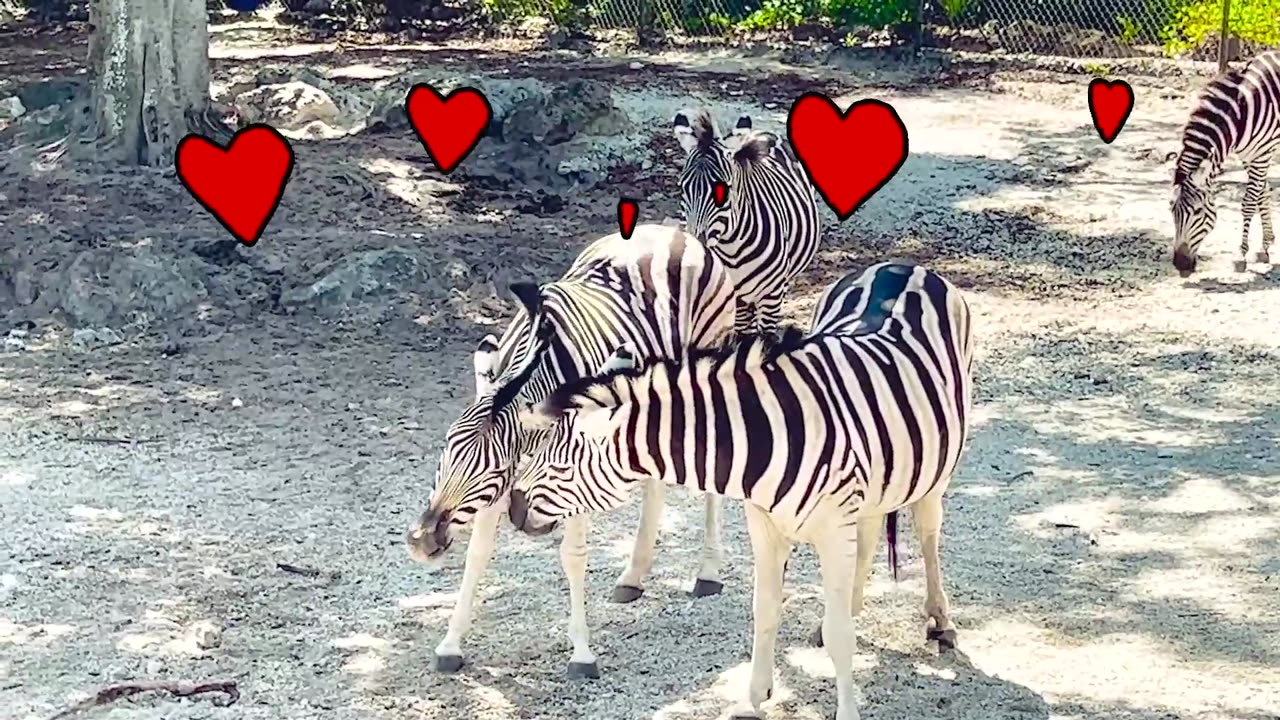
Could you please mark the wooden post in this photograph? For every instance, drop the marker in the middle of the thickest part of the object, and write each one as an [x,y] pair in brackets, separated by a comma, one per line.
[1225,38]
[917,39]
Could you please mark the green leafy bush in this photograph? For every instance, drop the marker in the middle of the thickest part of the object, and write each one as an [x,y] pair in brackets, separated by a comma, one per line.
[874,13]
[781,14]
[566,13]
[786,14]
[1254,21]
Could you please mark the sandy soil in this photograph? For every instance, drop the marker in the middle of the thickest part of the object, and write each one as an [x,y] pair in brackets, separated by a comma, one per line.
[1112,543]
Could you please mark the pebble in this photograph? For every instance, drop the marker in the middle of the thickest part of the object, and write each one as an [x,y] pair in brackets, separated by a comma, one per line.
[206,635]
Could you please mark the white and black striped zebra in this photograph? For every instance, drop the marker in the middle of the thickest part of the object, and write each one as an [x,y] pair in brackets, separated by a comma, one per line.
[660,292]
[1238,113]
[763,222]
[821,434]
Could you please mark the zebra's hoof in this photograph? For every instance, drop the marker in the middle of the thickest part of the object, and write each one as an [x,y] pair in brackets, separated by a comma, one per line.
[448,663]
[1240,265]
[704,588]
[1262,258]
[946,638]
[626,594]
[584,671]
[815,637]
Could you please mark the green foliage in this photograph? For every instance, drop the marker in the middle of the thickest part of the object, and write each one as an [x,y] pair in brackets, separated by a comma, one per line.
[786,14]
[566,13]
[873,13]
[1255,21]
[780,14]
[1129,30]
[1098,69]
[955,9]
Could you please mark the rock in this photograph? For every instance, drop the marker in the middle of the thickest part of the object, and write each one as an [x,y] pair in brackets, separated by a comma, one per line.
[318,6]
[115,285]
[237,403]
[48,94]
[288,106]
[364,283]
[205,635]
[14,344]
[24,287]
[87,339]
[12,108]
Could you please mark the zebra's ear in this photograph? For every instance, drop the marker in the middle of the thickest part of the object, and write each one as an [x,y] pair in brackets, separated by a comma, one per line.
[529,295]
[683,130]
[485,362]
[743,127]
[621,359]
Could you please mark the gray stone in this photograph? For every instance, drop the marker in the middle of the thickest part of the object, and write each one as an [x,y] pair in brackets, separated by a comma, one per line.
[12,108]
[364,283]
[115,285]
[87,339]
[288,106]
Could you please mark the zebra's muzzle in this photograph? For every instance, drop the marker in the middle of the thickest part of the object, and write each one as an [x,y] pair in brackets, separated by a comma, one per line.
[429,538]
[1184,262]
[518,511]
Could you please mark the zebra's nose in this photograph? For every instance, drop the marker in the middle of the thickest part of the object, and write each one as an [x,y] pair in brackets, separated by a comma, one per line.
[518,512]
[1183,262]
[429,537]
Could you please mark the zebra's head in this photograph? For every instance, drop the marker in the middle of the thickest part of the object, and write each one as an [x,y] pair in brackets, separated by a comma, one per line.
[573,472]
[1193,210]
[482,445]
[706,178]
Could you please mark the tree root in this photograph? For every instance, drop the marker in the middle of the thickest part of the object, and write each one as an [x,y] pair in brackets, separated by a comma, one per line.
[111,693]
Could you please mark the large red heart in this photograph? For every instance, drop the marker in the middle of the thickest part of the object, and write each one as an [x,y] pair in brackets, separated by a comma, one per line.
[849,155]
[240,185]
[1110,104]
[449,126]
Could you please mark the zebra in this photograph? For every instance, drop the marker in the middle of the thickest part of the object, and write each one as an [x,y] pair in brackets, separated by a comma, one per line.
[661,292]
[762,220]
[1238,113]
[865,415]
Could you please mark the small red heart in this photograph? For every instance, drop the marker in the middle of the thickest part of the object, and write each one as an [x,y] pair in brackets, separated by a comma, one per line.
[627,212]
[1110,104]
[449,126]
[849,155]
[721,193]
[240,185]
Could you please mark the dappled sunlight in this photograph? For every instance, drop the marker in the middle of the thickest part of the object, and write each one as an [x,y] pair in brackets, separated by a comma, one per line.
[36,634]
[1101,669]
[1206,587]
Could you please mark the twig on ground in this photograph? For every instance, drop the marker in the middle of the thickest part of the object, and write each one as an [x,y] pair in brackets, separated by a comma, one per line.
[1019,476]
[109,440]
[298,570]
[177,688]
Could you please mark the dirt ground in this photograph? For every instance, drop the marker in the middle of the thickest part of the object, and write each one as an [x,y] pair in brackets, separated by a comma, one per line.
[1112,542]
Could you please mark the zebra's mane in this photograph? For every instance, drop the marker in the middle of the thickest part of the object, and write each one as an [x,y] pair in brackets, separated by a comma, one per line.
[756,147]
[1224,87]
[704,128]
[755,350]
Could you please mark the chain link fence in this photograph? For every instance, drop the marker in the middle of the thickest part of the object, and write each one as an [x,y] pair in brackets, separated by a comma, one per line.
[1068,28]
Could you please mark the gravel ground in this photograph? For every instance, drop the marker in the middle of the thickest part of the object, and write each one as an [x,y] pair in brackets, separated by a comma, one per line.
[1112,542]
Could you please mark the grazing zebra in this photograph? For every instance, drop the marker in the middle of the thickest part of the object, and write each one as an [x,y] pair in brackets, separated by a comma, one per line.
[820,434]
[1238,113]
[762,220]
[660,292]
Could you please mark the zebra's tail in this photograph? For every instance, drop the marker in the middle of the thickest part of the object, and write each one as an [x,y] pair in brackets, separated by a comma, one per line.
[891,539]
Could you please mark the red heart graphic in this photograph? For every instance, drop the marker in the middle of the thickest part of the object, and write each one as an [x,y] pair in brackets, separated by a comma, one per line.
[627,212]
[849,155]
[449,126]
[240,185]
[1110,104]
[721,192]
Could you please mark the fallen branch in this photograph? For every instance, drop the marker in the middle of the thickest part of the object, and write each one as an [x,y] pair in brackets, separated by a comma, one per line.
[298,570]
[1019,476]
[111,693]
[109,440]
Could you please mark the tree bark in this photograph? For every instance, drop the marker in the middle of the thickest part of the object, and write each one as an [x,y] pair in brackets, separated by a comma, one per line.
[149,64]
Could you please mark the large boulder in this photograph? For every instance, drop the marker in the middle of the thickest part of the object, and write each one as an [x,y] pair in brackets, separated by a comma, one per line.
[374,285]
[122,284]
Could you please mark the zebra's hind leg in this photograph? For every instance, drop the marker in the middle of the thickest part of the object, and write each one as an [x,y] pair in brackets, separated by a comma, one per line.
[868,542]
[573,558]
[484,530]
[838,627]
[709,581]
[630,585]
[1255,195]
[928,517]
[1268,233]
[769,550]
[769,314]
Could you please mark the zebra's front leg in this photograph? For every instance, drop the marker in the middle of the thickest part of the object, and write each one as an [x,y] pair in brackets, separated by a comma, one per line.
[709,581]
[770,551]
[744,318]
[484,531]
[573,558]
[630,585]
[928,517]
[868,542]
[834,552]
[769,314]
[1255,193]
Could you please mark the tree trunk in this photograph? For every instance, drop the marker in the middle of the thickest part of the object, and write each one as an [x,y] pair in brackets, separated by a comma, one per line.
[149,64]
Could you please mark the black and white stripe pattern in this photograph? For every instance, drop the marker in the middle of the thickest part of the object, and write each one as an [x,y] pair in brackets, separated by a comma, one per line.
[1238,113]
[818,433]
[660,292]
[767,229]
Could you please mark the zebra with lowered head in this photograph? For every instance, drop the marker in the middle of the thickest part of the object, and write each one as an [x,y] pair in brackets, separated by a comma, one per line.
[1238,113]
[659,292]
[750,200]
[821,434]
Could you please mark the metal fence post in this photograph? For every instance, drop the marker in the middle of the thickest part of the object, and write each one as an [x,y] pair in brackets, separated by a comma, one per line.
[1225,37]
